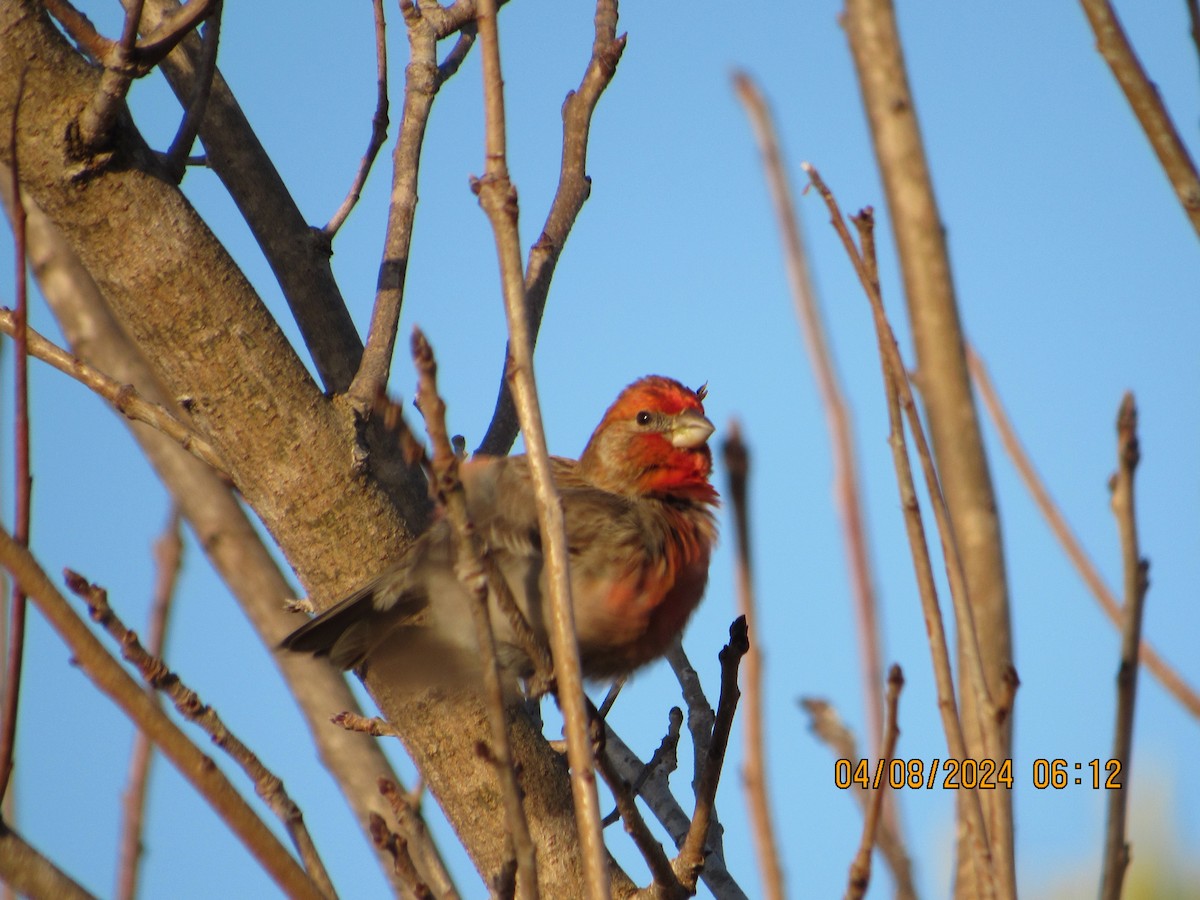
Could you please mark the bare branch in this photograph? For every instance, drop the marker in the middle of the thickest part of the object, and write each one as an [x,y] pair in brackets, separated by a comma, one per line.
[829,728]
[690,861]
[837,413]
[736,456]
[23,473]
[188,703]
[899,393]
[969,496]
[199,770]
[860,869]
[123,397]
[498,198]
[666,883]
[80,28]
[176,159]
[1167,676]
[426,26]
[574,187]
[1136,573]
[470,571]
[1146,104]
[650,783]
[379,124]
[397,847]
[168,557]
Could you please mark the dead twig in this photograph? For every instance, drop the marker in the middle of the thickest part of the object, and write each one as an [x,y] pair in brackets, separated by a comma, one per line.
[1146,104]
[397,847]
[123,397]
[379,125]
[427,24]
[497,197]
[472,575]
[690,861]
[267,785]
[168,558]
[22,468]
[754,770]
[899,394]
[860,869]
[825,723]
[1137,580]
[176,159]
[111,678]
[574,187]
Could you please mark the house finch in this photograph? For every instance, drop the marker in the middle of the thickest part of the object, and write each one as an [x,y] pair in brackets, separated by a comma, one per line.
[639,527]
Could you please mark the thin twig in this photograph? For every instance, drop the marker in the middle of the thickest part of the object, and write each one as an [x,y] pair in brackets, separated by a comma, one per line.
[497,196]
[177,158]
[1137,579]
[394,844]
[23,473]
[111,678]
[574,187]
[690,861]
[651,785]
[426,26]
[123,397]
[267,785]
[168,557]
[1167,676]
[837,413]
[829,728]
[754,769]
[666,884]
[1146,104]
[899,395]
[860,869]
[469,568]
[406,807]
[700,715]
[379,125]
[664,760]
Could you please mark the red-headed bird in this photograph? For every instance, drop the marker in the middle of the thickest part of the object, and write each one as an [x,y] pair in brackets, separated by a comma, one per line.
[640,530]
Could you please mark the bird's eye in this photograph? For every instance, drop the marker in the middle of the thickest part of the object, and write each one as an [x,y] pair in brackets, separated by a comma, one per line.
[643,418]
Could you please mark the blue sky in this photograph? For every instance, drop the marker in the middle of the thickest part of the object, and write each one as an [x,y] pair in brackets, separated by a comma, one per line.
[1077,277]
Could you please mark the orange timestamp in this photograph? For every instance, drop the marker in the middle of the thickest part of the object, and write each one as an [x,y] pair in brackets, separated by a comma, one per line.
[948,774]
[969,774]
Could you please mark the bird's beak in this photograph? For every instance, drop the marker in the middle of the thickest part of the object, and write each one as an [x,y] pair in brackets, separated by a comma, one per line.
[689,430]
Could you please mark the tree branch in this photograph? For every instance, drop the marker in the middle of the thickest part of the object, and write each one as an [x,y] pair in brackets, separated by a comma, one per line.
[470,571]
[736,456]
[498,198]
[945,386]
[267,785]
[200,771]
[1147,106]
[1136,570]
[860,869]
[574,187]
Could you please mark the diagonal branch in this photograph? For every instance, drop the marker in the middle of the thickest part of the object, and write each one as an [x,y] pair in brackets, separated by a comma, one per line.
[1147,105]
[124,398]
[156,674]
[198,769]
[574,187]
[176,158]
